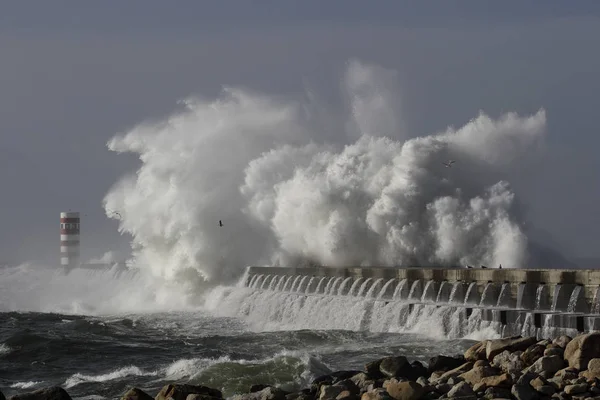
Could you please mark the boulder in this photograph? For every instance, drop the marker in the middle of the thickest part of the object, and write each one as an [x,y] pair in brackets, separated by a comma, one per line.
[396,367]
[562,341]
[454,372]
[408,390]
[181,391]
[576,389]
[257,387]
[523,392]
[582,349]
[477,374]
[476,352]
[461,390]
[417,370]
[376,394]
[196,396]
[508,362]
[515,343]
[136,394]
[532,354]
[329,392]
[444,363]
[346,395]
[497,393]
[548,364]
[593,370]
[361,380]
[554,351]
[372,369]
[348,385]
[49,393]
[566,373]
[2,396]
[504,380]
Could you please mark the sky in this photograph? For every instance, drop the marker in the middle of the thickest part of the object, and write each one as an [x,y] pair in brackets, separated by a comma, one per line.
[74,74]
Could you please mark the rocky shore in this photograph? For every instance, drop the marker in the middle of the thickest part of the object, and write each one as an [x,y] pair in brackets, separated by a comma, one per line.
[520,368]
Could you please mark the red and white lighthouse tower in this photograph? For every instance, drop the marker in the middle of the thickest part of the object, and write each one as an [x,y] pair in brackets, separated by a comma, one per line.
[69,239]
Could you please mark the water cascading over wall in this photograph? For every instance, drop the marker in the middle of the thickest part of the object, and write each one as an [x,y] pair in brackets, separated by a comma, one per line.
[455,302]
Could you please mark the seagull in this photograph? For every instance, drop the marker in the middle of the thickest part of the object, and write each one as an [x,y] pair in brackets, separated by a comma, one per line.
[449,163]
[500,267]
[468,266]
[220,223]
[483,266]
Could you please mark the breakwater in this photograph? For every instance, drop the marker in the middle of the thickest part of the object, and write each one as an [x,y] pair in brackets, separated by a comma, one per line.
[542,303]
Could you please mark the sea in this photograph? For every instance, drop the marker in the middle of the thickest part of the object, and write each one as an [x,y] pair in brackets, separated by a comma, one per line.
[98,333]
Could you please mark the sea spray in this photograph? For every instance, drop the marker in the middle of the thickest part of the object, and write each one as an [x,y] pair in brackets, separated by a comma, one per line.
[371,193]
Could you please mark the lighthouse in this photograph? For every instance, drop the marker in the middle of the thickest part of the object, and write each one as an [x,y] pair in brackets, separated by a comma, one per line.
[69,239]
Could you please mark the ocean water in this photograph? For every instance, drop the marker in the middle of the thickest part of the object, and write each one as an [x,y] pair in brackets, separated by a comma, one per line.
[78,331]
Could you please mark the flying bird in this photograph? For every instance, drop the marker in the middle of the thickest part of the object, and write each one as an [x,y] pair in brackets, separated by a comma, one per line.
[449,163]
[220,223]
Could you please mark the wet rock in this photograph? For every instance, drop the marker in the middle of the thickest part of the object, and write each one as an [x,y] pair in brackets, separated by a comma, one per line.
[329,392]
[497,393]
[562,341]
[515,343]
[423,381]
[576,389]
[478,373]
[136,394]
[582,349]
[444,363]
[508,362]
[347,395]
[372,369]
[408,390]
[548,364]
[554,351]
[532,354]
[418,370]
[460,390]
[455,372]
[49,393]
[376,394]
[181,392]
[524,392]
[593,369]
[258,387]
[348,385]
[395,367]
[361,380]
[476,352]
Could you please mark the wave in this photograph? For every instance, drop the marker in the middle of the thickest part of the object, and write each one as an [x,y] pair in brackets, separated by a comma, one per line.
[294,183]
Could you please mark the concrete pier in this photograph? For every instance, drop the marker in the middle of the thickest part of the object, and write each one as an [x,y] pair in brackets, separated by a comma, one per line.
[512,298]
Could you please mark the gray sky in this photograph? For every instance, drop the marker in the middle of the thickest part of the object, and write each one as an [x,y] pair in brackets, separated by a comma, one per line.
[72,74]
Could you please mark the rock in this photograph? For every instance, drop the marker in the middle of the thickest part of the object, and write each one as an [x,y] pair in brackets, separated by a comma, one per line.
[136,394]
[566,373]
[554,351]
[576,389]
[2,396]
[372,369]
[562,341]
[196,396]
[418,370]
[455,372]
[348,385]
[532,354]
[478,373]
[527,377]
[545,342]
[444,363]
[546,390]
[376,394]
[423,381]
[329,392]
[455,380]
[497,393]
[508,362]
[395,367]
[302,395]
[181,391]
[481,363]
[523,392]
[347,395]
[515,343]
[443,388]
[408,390]
[361,380]
[593,369]
[258,387]
[476,352]
[460,390]
[582,349]
[49,393]
[504,380]
[547,364]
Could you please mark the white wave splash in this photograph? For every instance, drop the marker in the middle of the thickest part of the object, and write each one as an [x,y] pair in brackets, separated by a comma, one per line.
[124,372]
